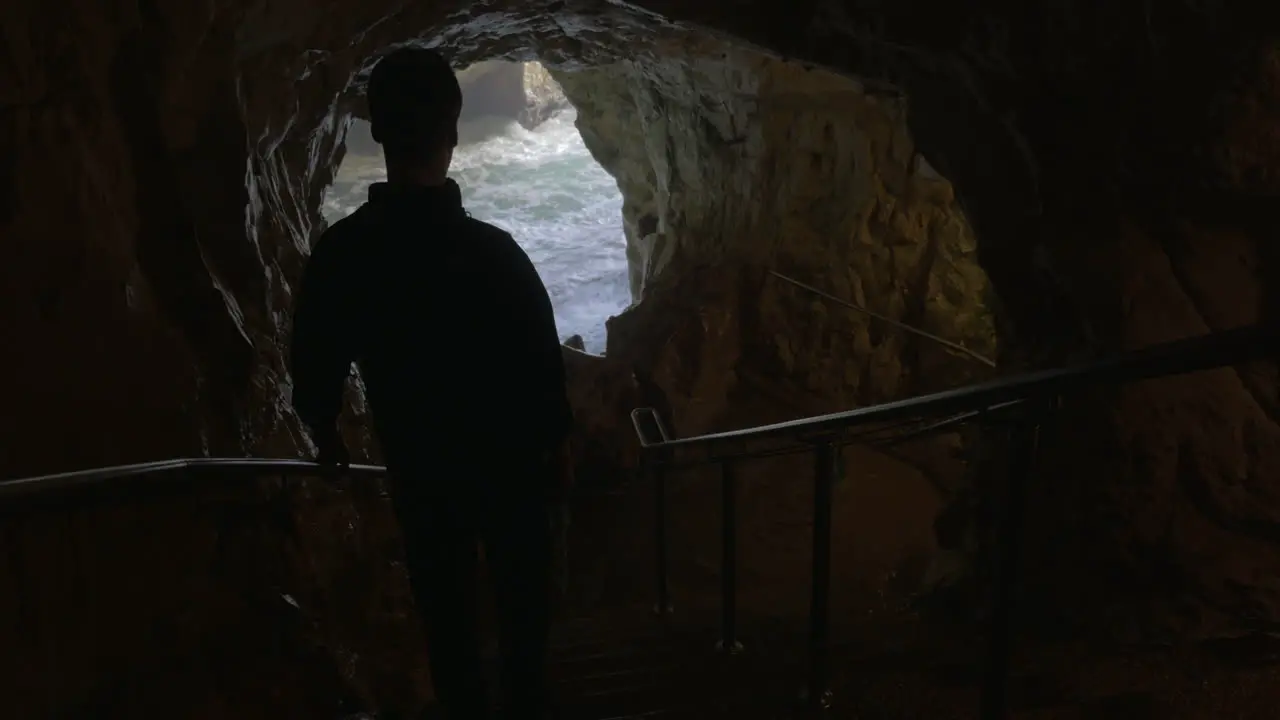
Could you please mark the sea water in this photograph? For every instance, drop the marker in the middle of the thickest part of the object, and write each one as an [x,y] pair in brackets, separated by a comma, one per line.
[544,188]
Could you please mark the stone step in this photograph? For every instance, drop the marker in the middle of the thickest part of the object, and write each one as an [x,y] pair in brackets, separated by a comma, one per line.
[654,669]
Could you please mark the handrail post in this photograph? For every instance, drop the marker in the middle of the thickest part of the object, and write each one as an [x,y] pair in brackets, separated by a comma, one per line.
[1024,441]
[728,560]
[659,473]
[818,695]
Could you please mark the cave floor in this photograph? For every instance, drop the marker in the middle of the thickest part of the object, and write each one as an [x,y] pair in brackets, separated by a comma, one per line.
[633,665]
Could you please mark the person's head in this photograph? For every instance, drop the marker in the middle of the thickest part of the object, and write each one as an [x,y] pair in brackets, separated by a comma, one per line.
[414,103]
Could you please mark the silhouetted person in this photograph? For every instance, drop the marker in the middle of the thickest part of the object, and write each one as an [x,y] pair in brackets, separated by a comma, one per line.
[455,339]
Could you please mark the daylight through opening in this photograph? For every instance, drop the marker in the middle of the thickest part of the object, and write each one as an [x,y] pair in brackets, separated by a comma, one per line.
[522,165]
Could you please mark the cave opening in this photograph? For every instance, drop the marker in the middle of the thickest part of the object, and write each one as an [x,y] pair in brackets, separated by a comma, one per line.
[522,165]
[790,251]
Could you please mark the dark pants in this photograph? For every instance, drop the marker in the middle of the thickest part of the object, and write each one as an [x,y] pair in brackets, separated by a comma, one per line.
[442,532]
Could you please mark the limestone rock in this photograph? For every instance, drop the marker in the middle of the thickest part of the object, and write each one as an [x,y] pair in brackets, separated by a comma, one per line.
[736,158]
[543,95]
[521,91]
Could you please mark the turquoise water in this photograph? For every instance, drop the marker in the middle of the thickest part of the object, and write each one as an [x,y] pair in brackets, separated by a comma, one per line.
[544,188]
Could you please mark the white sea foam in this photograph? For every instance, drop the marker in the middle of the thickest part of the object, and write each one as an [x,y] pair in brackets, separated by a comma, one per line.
[547,191]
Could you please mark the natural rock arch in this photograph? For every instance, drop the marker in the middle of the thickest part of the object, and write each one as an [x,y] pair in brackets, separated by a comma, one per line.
[166,170]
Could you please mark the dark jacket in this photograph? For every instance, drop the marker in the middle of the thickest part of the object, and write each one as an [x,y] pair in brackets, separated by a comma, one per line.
[450,326]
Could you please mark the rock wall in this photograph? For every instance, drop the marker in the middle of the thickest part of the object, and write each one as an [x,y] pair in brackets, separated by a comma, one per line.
[521,91]
[732,165]
[543,95]
[731,159]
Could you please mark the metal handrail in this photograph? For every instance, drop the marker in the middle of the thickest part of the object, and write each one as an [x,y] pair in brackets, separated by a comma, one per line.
[1203,352]
[82,479]
[886,436]
[954,346]
[1027,397]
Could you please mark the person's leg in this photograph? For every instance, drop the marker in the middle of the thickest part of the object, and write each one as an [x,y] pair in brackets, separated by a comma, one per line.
[441,554]
[518,547]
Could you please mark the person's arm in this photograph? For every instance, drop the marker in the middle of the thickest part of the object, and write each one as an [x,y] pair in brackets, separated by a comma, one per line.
[321,351]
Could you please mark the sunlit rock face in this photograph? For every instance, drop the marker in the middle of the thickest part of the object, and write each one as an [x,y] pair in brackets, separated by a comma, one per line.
[522,91]
[727,157]
[542,94]
[163,171]
[735,165]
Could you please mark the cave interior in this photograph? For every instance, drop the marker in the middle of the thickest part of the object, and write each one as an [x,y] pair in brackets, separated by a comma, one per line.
[1019,188]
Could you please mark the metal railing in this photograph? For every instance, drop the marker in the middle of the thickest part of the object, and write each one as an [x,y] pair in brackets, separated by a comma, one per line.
[1022,402]
[18,494]
[84,573]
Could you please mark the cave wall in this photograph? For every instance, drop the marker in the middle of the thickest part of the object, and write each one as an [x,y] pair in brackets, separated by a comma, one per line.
[543,95]
[521,91]
[726,156]
[733,164]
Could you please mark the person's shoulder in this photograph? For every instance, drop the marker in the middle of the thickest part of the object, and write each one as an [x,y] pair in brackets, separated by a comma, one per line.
[342,237]
[483,232]
[492,240]
[346,229]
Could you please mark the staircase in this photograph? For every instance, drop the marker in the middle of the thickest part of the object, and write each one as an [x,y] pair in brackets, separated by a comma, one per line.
[631,664]
[647,667]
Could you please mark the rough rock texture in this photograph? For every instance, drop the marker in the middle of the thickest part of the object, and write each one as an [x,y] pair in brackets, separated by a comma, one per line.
[543,95]
[522,91]
[730,164]
[730,156]
[161,167]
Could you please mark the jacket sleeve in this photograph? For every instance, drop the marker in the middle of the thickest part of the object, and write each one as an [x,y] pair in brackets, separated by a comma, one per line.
[321,350]
[539,343]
